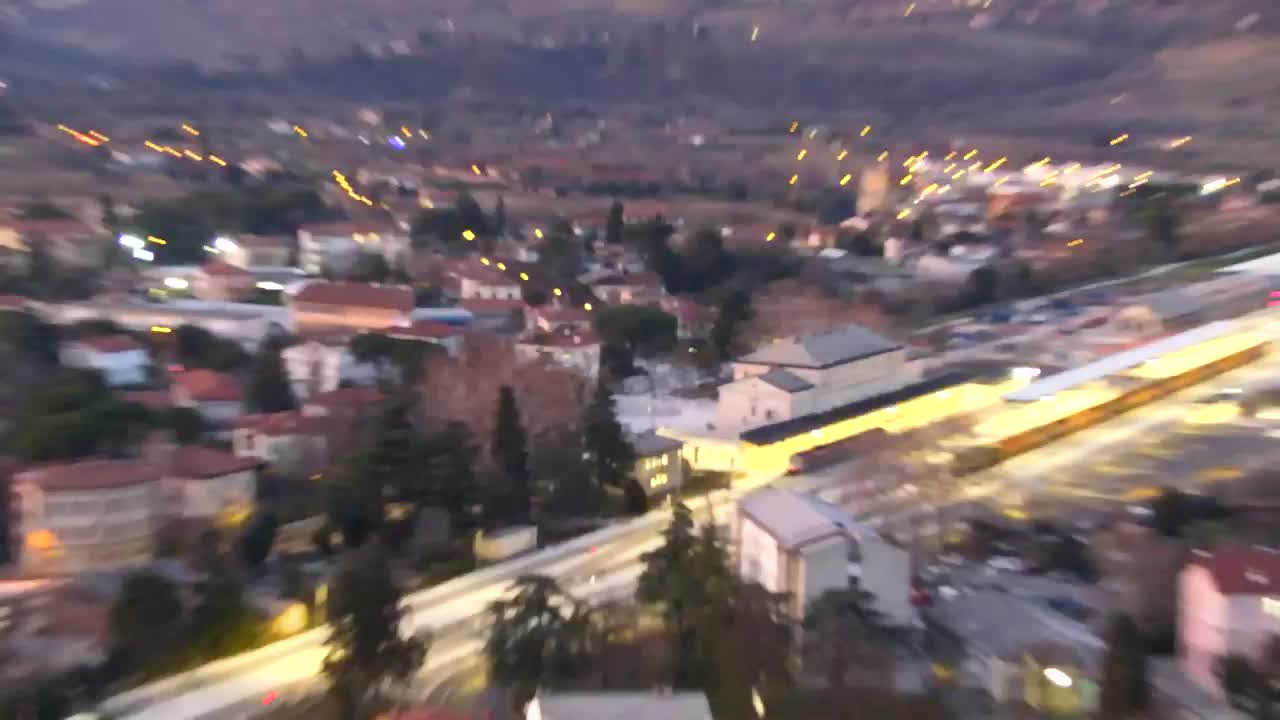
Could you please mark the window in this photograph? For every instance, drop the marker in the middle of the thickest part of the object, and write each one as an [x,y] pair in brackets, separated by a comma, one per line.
[658,480]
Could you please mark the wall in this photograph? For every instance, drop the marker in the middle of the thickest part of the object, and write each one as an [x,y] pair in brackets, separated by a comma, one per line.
[471,289]
[886,574]
[208,498]
[823,566]
[91,529]
[752,402]
[759,556]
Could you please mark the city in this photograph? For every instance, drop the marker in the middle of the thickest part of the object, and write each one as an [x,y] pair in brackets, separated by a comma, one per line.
[704,361]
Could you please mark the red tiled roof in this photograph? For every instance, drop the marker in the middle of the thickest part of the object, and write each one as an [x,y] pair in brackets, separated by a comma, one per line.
[348,397]
[109,343]
[223,269]
[209,386]
[424,330]
[91,475]
[385,297]
[1242,571]
[490,306]
[149,399]
[204,463]
[289,422]
[482,274]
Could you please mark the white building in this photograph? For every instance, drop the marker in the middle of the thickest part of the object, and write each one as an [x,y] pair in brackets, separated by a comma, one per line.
[339,243]
[1228,604]
[809,374]
[315,367]
[119,358]
[247,324]
[797,544]
[482,282]
[577,350]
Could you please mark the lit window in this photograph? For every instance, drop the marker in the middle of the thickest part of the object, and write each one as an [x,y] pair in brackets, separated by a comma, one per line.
[658,480]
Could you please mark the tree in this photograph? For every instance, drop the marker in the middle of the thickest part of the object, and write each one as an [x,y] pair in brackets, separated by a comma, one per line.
[644,330]
[195,347]
[540,636]
[1237,679]
[834,206]
[839,621]
[186,424]
[500,217]
[222,622]
[257,538]
[983,284]
[269,389]
[616,360]
[449,455]
[1171,512]
[734,310]
[145,617]
[42,271]
[366,654]
[608,451]
[43,210]
[511,455]
[1125,686]
[705,262]
[370,267]
[1161,220]
[613,228]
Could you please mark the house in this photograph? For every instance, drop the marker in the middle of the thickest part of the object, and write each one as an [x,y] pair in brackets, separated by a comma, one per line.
[659,467]
[470,281]
[83,516]
[209,485]
[495,315]
[683,705]
[1228,604]
[550,318]
[222,282]
[316,367]
[350,307]
[68,241]
[120,359]
[337,244]
[258,251]
[292,445]
[215,395]
[796,543]
[573,349]
[693,319]
[448,337]
[641,288]
[809,374]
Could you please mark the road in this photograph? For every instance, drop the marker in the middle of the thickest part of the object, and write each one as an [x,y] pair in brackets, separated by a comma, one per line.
[237,687]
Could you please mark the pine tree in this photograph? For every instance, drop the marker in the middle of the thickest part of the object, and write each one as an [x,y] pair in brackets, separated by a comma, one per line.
[366,653]
[1125,685]
[613,229]
[511,454]
[608,450]
[500,217]
[269,390]
[540,636]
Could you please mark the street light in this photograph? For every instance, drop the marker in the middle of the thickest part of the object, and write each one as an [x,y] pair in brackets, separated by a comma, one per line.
[1057,677]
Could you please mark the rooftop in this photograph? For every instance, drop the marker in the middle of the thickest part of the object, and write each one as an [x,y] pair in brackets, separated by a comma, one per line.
[822,349]
[1242,571]
[208,386]
[90,475]
[650,444]
[204,463]
[786,380]
[793,519]
[289,422]
[382,297]
[109,343]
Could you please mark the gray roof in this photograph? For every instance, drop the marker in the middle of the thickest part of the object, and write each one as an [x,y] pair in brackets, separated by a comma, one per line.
[792,518]
[651,443]
[822,349]
[623,706]
[786,380]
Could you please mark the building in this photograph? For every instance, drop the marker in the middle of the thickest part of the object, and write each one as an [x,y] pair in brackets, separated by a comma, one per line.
[550,318]
[209,485]
[82,516]
[810,374]
[258,251]
[495,315]
[1228,604]
[642,288]
[68,241]
[684,705]
[290,444]
[247,324]
[659,467]
[338,244]
[316,367]
[482,282]
[449,337]
[120,359]
[576,350]
[215,395]
[222,282]
[350,307]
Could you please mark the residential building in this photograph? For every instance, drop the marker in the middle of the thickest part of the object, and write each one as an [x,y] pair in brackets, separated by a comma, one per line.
[350,307]
[68,241]
[337,244]
[292,445]
[120,359]
[683,705]
[471,281]
[550,318]
[569,348]
[641,288]
[258,251]
[217,396]
[809,374]
[209,485]
[316,367]
[1228,604]
[222,282]
[495,315]
[448,337]
[797,544]
[248,325]
[693,319]
[659,467]
[82,516]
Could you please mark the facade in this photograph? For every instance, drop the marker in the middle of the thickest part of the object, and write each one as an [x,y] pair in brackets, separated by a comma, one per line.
[258,251]
[315,367]
[337,244]
[290,444]
[643,288]
[577,351]
[84,516]
[659,467]
[248,325]
[481,282]
[1228,604]
[119,358]
[549,318]
[351,307]
[209,485]
[221,282]
[216,396]
[810,374]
